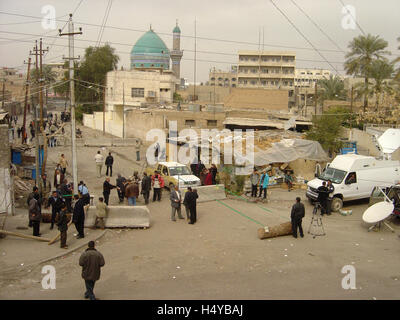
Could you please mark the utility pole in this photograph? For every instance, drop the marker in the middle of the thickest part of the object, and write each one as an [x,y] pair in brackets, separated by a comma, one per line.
[26,96]
[351,99]
[194,85]
[104,111]
[315,99]
[123,110]
[34,108]
[41,83]
[305,104]
[71,59]
[4,93]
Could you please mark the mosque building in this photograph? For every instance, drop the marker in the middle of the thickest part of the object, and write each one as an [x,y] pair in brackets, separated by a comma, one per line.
[151,80]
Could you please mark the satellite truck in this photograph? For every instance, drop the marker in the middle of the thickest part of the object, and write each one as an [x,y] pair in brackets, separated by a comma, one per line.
[354,177]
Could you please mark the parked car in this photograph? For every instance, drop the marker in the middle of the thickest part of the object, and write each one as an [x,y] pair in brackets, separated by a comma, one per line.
[174,171]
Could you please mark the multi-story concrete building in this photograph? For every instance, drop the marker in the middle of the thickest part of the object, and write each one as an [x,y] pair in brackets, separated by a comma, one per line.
[58,69]
[266,69]
[222,78]
[308,77]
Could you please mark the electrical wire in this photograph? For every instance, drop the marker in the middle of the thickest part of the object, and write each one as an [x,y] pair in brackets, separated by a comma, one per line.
[301,33]
[318,27]
[354,18]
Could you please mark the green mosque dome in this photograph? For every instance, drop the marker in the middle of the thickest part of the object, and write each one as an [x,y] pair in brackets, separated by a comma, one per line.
[149,52]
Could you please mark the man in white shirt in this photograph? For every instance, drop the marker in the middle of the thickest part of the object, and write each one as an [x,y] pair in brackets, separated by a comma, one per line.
[99,159]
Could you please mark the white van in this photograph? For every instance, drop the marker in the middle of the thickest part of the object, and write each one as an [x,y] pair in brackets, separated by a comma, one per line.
[354,177]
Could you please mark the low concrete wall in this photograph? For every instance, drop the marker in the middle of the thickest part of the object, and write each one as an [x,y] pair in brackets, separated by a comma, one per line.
[208,193]
[365,144]
[121,217]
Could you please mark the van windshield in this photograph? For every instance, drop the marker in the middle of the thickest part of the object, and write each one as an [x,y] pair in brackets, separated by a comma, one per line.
[179,171]
[335,175]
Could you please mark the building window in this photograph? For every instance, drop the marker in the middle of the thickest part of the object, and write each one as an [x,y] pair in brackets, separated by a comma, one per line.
[190,123]
[212,78]
[137,92]
[211,123]
[253,82]
[233,85]
[233,79]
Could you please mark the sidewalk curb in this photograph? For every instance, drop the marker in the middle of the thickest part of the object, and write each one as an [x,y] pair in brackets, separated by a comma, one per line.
[71,250]
[65,253]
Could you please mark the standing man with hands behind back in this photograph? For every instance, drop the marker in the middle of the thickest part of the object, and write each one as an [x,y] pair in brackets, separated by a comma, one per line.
[98,158]
[296,216]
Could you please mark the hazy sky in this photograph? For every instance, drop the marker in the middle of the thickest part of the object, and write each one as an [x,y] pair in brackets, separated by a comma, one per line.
[222,20]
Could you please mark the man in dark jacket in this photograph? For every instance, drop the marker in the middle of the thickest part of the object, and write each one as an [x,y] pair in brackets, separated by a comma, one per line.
[78,217]
[107,187]
[331,190]
[91,261]
[296,216]
[323,194]
[109,163]
[62,225]
[120,182]
[35,216]
[35,194]
[56,203]
[66,192]
[146,187]
[190,204]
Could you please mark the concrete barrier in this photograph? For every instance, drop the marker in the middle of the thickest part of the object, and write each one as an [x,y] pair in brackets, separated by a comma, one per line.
[121,217]
[209,193]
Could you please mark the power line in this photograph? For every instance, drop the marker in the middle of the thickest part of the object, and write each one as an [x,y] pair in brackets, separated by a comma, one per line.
[354,18]
[108,9]
[318,27]
[187,36]
[298,30]
[130,45]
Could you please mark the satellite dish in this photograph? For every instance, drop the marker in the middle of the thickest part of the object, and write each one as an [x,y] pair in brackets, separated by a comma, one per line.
[378,212]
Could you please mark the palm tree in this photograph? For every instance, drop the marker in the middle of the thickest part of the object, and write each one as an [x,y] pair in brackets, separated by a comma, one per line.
[381,71]
[331,88]
[363,51]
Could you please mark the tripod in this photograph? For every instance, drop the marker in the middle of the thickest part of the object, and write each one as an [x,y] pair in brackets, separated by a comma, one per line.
[316,228]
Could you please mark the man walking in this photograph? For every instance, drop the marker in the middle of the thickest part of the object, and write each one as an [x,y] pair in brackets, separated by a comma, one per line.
[56,203]
[120,182]
[78,217]
[190,204]
[101,213]
[63,226]
[264,184]
[63,163]
[176,198]
[66,192]
[109,163]
[138,144]
[98,158]
[146,187]
[157,182]
[296,216]
[35,215]
[91,262]
[254,178]
[132,192]
[107,187]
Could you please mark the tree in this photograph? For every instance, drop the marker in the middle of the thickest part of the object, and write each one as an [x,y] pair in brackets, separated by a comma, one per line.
[381,71]
[326,130]
[331,88]
[397,60]
[95,65]
[364,50]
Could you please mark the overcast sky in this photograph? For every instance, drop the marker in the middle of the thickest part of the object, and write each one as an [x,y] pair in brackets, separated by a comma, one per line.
[234,20]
